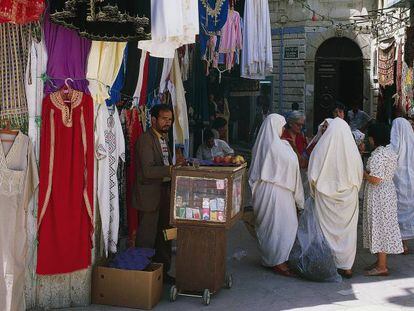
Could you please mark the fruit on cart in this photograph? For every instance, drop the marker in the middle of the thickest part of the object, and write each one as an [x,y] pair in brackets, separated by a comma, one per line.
[238,159]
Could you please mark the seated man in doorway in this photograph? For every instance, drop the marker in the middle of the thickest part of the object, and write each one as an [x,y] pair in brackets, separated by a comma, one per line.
[358,119]
[152,188]
[213,147]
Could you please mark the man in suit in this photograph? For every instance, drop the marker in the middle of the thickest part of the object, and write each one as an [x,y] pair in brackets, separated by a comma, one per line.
[152,192]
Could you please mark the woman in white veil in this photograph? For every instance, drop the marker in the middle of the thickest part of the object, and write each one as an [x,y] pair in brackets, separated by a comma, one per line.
[402,142]
[274,178]
[335,176]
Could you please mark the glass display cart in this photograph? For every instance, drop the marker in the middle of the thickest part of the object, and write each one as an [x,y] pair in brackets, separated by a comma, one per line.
[205,203]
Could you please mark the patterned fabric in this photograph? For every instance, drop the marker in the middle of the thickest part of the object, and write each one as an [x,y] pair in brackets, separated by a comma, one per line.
[15,46]
[21,11]
[380,220]
[386,66]
[106,20]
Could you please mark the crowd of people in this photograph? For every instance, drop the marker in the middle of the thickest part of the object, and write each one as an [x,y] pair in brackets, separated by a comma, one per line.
[287,170]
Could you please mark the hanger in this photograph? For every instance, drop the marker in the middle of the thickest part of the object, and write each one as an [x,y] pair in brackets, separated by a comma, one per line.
[67,90]
[6,130]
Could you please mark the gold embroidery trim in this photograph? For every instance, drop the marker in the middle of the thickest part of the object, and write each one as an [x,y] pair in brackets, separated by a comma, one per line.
[85,176]
[67,111]
[50,175]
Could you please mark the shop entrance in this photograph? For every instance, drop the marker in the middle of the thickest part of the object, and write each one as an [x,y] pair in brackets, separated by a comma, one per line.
[338,76]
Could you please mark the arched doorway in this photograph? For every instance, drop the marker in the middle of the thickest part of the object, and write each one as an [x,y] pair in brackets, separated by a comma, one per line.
[338,76]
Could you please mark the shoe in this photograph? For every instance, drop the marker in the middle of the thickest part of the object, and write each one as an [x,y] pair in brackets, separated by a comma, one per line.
[286,272]
[376,272]
[168,279]
[347,274]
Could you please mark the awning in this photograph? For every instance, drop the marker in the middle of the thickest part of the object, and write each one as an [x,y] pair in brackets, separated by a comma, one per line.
[397,3]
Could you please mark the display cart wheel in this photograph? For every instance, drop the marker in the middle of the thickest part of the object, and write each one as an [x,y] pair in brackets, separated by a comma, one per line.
[206,297]
[173,293]
[229,281]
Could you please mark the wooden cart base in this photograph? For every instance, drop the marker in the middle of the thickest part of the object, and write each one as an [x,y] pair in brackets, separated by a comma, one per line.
[200,262]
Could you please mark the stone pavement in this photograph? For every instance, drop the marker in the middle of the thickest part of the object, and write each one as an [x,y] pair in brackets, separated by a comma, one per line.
[256,288]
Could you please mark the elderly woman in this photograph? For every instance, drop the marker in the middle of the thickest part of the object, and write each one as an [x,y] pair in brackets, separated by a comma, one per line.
[335,177]
[381,232]
[274,178]
[402,142]
[293,134]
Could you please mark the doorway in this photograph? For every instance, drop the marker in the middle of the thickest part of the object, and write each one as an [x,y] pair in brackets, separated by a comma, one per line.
[338,77]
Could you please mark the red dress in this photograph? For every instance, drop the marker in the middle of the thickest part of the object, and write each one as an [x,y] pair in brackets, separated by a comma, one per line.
[134,130]
[21,11]
[65,215]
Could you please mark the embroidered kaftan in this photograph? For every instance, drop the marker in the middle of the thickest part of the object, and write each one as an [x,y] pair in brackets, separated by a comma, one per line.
[110,147]
[65,210]
[18,181]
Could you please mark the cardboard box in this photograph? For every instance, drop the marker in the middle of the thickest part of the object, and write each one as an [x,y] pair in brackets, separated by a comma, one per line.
[127,288]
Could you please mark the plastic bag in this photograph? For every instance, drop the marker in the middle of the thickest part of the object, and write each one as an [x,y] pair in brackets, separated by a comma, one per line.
[311,257]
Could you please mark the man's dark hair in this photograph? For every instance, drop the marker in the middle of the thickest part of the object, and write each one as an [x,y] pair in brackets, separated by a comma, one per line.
[155,111]
[380,132]
[219,123]
[208,134]
[295,106]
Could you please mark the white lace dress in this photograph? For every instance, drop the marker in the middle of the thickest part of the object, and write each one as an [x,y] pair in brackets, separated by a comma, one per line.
[380,223]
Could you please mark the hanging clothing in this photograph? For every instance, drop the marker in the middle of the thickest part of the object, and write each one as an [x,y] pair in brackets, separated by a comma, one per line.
[386,59]
[65,207]
[131,68]
[335,177]
[212,17]
[181,132]
[21,11]
[257,57]
[110,148]
[140,92]
[67,57]
[104,62]
[381,231]
[104,20]
[174,23]
[274,178]
[18,181]
[16,43]
[134,129]
[34,89]
[402,142]
[231,38]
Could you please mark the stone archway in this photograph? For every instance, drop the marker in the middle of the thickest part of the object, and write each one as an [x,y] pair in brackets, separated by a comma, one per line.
[314,39]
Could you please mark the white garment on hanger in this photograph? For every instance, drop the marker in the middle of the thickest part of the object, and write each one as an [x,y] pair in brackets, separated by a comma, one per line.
[257,57]
[104,62]
[110,147]
[181,130]
[137,93]
[174,23]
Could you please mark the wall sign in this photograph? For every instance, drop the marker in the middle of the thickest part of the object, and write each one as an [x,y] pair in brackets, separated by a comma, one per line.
[291,52]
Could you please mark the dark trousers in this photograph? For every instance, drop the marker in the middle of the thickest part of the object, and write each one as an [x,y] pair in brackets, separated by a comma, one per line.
[150,229]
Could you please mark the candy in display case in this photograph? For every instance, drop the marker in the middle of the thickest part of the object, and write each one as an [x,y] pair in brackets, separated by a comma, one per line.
[208,195]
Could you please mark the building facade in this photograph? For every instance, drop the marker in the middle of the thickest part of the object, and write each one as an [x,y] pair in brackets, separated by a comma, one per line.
[324,54]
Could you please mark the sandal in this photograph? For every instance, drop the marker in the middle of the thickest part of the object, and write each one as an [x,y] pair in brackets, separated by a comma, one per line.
[280,271]
[345,274]
[376,272]
[406,251]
